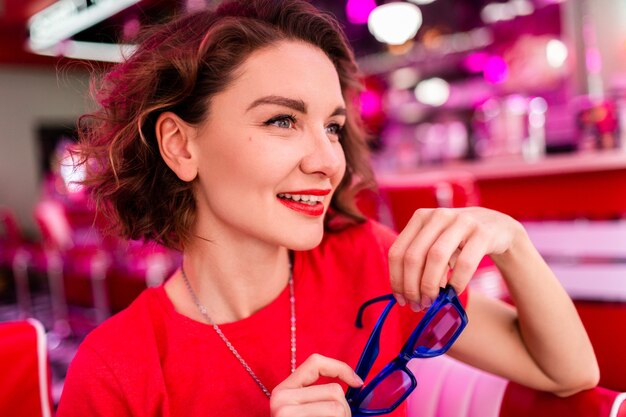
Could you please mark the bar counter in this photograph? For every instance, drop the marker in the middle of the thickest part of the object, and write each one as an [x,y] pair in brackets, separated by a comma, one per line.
[557,187]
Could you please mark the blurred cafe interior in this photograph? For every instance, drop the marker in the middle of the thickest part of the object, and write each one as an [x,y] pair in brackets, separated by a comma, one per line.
[514,105]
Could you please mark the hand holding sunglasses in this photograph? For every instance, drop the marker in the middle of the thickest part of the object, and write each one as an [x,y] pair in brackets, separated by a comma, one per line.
[434,335]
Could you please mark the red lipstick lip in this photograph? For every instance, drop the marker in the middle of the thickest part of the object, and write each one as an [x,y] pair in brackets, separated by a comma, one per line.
[314,210]
[308,192]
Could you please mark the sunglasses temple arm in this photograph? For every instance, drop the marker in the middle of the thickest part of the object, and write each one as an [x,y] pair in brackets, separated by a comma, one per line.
[359,316]
[370,353]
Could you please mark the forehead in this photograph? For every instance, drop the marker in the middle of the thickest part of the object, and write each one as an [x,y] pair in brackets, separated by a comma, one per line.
[291,69]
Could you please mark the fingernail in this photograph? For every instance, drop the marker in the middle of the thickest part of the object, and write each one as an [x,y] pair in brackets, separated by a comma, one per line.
[425,302]
[358,379]
[400,299]
[415,306]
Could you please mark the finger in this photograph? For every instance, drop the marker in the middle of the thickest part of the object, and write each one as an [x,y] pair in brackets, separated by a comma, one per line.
[443,281]
[313,393]
[439,258]
[317,365]
[398,249]
[317,409]
[453,258]
[467,262]
[415,258]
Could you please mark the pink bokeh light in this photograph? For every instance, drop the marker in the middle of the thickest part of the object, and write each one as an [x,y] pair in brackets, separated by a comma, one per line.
[593,61]
[358,11]
[371,103]
[496,70]
[476,62]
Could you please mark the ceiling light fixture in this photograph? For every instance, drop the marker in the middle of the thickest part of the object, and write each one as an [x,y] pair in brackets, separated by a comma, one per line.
[90,51]
[394,23]
[65,18]
[433,91]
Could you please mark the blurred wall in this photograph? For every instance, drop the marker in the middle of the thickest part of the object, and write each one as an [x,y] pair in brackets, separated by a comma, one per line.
[610,19]
[30,97]
[607,31]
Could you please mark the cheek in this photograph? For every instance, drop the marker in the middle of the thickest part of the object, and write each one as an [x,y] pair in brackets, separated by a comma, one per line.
[341,156]
[240,154]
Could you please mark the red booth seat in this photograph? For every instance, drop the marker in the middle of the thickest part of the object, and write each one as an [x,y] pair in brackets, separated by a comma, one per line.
[401,195]
[448,388]
[25,377]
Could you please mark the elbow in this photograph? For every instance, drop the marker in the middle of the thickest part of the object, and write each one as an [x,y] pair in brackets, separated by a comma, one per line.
[586,379]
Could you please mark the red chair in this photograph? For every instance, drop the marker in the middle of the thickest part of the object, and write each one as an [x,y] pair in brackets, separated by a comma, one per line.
[25,380]
[136,266]
[102,272]
[403,194]
[448,388]
[14,256]
[84,257]
[605,323]
[21,256]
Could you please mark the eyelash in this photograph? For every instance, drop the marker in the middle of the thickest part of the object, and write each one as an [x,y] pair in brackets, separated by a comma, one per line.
[339,129]
[293,120]
[280,118]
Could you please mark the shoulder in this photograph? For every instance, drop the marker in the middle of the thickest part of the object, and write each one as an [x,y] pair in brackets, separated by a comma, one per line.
[130,335]
[114,361]
[130,321]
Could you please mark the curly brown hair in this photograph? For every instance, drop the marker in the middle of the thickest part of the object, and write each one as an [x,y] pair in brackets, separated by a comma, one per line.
[178,66]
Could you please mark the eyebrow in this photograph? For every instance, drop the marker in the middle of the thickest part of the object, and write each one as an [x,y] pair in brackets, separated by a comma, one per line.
[297,105]
[339,111]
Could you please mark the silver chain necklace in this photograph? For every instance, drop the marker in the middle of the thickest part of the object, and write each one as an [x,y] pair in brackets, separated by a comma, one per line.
[205,314]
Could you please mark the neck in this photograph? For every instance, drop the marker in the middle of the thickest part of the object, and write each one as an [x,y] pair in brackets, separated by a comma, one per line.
[232,283]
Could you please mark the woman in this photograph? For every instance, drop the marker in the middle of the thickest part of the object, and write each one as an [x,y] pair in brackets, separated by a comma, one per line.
[232,135]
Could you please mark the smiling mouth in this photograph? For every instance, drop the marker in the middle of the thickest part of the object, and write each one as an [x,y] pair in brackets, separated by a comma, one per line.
[308,203]
[308,199]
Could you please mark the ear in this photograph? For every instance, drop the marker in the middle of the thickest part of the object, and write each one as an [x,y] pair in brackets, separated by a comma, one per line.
[173,136]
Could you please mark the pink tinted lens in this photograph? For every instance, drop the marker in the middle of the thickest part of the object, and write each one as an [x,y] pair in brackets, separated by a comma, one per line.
[388,392]
[439,331]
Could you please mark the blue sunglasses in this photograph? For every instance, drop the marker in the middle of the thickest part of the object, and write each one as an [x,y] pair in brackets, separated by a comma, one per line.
[435,333]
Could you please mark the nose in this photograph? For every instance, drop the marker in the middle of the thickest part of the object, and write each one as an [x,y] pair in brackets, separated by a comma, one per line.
[323,156]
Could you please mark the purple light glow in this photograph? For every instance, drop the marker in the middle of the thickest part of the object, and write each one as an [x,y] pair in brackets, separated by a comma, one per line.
[476,62]
[370,103]
[358,11]
[496,70]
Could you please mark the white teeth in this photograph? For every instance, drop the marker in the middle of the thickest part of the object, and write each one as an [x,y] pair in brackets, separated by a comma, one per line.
[304,198]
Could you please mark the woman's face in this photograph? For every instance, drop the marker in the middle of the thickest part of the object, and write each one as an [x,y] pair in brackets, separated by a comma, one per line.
[268,155]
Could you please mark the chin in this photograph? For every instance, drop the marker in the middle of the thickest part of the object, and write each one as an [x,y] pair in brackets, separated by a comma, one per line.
[303,243]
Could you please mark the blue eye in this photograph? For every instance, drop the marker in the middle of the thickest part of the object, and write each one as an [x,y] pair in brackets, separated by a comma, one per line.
[284,121]
[334,129]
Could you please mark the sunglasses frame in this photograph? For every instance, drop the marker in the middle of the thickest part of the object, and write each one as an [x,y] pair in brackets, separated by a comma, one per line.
[355,396]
